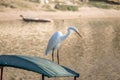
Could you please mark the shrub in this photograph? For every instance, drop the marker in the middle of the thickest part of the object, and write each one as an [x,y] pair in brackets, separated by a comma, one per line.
[66,7]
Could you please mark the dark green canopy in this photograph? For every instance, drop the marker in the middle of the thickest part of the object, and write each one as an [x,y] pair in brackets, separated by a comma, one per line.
[36,64]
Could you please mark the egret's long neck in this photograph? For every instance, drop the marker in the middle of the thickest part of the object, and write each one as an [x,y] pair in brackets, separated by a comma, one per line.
[66,35]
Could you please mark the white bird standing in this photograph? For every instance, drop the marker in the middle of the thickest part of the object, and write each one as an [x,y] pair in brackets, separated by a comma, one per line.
[56,40]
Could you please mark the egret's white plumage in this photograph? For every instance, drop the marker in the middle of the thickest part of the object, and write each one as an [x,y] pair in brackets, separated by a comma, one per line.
[54,42]
[57,38]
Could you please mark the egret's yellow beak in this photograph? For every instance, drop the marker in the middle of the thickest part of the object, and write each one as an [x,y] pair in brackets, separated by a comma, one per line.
[79,34]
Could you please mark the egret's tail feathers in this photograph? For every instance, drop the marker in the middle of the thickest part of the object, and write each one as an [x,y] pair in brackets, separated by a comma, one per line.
[47,52]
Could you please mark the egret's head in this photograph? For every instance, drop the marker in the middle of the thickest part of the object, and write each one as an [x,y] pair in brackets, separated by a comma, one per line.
[74,29]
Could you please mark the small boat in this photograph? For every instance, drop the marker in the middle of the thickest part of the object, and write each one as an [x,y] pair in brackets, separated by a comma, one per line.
[34,19]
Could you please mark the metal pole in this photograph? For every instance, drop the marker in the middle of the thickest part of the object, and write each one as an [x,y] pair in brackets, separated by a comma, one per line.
[1,76]
[43,78]
[75,78]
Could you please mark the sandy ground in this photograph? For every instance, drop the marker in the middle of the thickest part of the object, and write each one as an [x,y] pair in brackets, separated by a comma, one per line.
[96,56]
[84,12]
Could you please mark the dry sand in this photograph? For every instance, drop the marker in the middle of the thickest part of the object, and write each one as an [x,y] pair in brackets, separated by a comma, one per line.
[96,56]
[84,12]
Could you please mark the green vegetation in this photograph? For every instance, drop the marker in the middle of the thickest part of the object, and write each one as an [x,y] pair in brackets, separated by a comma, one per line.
[7,5]
[103,4]
[18,5]
[64,7]
[47,7]
[35,5]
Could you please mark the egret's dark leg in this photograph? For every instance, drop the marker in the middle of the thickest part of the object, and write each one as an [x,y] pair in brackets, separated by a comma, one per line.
[58,55]
[53,55]
[1,76]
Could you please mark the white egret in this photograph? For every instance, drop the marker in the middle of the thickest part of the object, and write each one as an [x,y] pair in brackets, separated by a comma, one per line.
[56,40]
